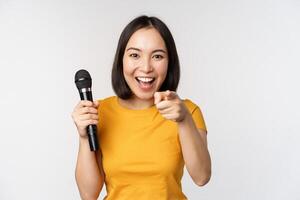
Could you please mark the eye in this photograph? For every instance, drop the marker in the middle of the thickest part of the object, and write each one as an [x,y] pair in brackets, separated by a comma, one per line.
[158,57]
[134,55]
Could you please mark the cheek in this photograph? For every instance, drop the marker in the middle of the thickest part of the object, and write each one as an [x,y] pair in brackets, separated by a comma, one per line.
[128,67]
[162,69]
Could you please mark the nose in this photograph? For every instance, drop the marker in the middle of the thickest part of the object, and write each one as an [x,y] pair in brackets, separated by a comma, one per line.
[146,66]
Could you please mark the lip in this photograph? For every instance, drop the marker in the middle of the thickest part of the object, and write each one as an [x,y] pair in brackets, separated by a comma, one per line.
[153,79]
[145,87]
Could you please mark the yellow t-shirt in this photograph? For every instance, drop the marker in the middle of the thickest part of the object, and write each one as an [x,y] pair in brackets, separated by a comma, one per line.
[141,152]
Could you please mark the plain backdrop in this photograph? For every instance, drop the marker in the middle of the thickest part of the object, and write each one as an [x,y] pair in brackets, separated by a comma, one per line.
[239,63]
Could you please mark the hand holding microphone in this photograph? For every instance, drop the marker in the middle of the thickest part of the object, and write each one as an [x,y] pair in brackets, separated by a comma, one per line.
[85,114]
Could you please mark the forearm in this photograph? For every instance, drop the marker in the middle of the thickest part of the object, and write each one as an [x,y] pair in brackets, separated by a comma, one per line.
[88,176]
[195,151]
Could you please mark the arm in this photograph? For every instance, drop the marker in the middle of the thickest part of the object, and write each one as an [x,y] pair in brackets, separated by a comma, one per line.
[193,141]
[89,176]
[194,149]
[88,173]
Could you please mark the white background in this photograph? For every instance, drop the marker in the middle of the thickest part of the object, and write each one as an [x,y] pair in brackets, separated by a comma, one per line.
[239,61]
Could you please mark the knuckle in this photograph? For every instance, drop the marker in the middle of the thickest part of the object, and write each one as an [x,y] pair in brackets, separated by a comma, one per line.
[86,109]
[95,111]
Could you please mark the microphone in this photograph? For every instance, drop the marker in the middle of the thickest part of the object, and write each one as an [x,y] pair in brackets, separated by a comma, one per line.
[83,83]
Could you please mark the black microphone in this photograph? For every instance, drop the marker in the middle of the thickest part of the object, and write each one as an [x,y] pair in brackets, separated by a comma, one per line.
[83,82]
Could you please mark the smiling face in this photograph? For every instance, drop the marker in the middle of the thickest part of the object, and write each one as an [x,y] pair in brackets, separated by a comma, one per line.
[145,63]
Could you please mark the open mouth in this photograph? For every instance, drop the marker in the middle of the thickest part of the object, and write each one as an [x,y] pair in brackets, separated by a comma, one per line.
[145,80]
[145,83]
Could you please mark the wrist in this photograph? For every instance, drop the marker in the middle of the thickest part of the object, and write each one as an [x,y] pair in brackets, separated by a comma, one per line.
[186,114]
[83,139]
[186,121]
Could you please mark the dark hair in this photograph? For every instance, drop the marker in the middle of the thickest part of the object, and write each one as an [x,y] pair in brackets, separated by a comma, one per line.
[171,81]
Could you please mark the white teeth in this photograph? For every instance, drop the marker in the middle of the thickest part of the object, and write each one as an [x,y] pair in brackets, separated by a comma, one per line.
[145,79]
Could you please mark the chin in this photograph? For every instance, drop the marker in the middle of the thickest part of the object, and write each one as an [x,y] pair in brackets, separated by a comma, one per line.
[145,95]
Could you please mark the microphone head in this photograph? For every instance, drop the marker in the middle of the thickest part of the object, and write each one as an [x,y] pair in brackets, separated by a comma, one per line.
[83,79]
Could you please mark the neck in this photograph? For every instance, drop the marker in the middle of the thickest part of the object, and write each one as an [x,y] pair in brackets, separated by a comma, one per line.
[136,103]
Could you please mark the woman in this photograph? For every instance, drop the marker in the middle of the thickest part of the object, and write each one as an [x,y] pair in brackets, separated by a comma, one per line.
[146,133]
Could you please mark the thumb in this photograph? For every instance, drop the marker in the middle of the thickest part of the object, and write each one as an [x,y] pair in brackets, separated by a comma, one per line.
[157,97]
[96,103]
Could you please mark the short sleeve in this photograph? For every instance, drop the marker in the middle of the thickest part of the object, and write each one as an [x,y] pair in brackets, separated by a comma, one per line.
[196,113]
[198,119]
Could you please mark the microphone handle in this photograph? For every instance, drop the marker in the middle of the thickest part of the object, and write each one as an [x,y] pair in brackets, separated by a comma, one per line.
[92,128]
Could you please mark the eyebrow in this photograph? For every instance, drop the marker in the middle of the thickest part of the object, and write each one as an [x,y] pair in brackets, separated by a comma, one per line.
[156,50]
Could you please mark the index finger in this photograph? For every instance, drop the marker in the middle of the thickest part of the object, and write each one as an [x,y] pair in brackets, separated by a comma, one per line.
[170,95]
[166,95]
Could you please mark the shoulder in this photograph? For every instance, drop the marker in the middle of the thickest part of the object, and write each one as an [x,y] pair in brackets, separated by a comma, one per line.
[196,113]
[107,101]
[191,106]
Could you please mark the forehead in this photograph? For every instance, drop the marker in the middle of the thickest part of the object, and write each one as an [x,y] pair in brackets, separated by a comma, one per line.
[146,39]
